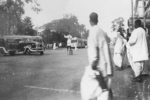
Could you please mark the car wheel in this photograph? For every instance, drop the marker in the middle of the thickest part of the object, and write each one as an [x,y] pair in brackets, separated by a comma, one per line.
[25,51]
[28,52]
[41,53]
[12,53]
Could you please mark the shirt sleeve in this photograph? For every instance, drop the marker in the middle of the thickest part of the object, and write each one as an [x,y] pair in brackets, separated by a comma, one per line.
[133,38]
[107,56]
[92,49]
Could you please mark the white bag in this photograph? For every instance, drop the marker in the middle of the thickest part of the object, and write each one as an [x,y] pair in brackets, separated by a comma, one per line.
[90,88]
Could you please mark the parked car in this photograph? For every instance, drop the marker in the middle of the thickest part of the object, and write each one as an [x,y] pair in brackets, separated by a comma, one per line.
[20,43]
[31,47]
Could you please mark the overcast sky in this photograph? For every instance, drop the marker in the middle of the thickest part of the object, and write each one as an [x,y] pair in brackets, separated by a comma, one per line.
[107,10]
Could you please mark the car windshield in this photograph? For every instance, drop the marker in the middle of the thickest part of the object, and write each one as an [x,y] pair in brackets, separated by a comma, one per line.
[37,39]
[18,40]
[11,40]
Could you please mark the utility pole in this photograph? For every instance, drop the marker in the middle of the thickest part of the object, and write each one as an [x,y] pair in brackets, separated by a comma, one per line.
[132,13]
[144,15]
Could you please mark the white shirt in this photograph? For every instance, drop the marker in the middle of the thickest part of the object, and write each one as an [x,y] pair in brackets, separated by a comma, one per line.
[119,45]
[98,51]
[69,40]
[139,49]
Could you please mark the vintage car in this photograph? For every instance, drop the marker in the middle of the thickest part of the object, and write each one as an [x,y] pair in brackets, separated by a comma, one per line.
[20,44]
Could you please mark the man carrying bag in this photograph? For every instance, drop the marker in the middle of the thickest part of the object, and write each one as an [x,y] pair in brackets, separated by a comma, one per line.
[96,81]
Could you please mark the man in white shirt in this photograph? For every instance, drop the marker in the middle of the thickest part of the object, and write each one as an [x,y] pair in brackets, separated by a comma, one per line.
[119,51]
[96,81]
[138,50]
[69,37]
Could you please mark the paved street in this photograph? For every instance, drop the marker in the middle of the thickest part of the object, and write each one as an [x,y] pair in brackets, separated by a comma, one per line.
[56,76]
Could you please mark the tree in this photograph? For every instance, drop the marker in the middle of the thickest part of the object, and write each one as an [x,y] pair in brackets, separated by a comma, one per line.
[27,23]
[20,29]
[118,23]
[47,36]
[50,37]
[67,25]
[26,27]
[60,27]
[86,34]
[11,12]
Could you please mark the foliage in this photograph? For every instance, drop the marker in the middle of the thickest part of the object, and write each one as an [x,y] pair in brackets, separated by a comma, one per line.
[86,34]
[50,37]
[11,12]
[26,27]
[67,25]
[118,23]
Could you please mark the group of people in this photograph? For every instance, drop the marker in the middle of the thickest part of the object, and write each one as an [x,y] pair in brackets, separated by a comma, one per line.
[135,46]
[96,80]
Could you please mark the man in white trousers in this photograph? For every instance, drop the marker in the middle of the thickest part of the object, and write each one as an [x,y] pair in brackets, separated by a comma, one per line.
[137,45]
[119,51]
[96,81]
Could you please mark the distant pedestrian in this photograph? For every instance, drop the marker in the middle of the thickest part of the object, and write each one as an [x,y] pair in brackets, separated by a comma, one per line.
[60,44]
[96,81]
[138,50]
[54,46]
[76,46]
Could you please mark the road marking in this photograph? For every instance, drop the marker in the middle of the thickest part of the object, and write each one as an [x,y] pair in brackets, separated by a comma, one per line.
[64,90]
[53,89]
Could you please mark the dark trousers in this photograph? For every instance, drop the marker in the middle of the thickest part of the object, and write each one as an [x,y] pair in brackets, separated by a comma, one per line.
[68,48]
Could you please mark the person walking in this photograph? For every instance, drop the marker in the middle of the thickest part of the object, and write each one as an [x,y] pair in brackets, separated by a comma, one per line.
[96,81]
[137,45]
[54,46]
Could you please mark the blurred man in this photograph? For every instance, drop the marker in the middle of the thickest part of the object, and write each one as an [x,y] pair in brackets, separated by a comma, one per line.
[96,81]
[119,51]
[69,37]
[138,50]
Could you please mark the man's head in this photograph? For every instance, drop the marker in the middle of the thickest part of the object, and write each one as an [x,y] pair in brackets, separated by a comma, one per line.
[121,31]
[138,23]
[93,18]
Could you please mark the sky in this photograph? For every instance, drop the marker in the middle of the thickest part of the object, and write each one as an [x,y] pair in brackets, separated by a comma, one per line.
[108,10]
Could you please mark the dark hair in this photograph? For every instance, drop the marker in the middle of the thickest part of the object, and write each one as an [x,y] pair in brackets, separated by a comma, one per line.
[138,23]
[94,17]
[121,31]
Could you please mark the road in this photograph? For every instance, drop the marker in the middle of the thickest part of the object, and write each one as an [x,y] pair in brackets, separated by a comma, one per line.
[56,76]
